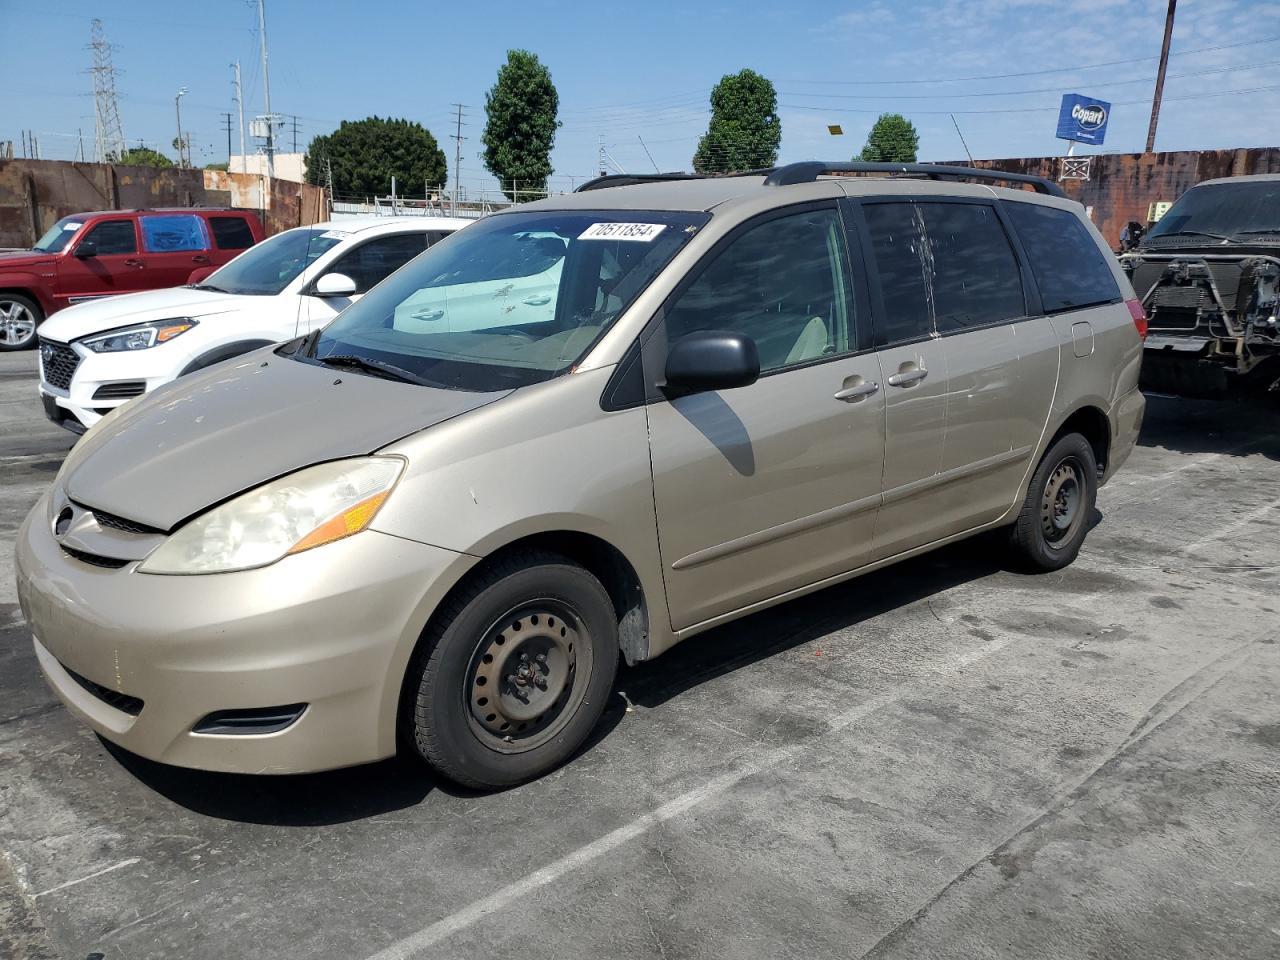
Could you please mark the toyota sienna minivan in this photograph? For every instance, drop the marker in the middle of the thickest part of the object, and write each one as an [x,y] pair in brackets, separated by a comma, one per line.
[437,529]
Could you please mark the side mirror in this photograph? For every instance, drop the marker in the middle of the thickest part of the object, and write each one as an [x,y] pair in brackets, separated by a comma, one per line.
[712,360]
[86,249]
[335,285]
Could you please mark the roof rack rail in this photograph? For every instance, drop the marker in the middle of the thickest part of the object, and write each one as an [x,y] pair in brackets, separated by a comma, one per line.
[630,179]
[808,171]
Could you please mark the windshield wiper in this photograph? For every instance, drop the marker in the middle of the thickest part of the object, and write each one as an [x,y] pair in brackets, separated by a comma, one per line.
[1257,233]
[370,365]
[1189,233]
[208,286]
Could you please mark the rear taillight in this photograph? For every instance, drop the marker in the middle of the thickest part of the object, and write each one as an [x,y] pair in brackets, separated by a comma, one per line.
[1139,316]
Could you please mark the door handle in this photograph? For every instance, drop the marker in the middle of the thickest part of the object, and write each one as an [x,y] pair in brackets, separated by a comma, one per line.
[199,258]
[435,314]
[908,377]
[537,299]
[860,392]
[133,262]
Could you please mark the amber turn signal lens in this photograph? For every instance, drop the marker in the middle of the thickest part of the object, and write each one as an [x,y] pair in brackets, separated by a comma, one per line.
[352,520]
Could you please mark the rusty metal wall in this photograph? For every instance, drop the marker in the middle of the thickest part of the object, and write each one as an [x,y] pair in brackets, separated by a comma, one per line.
[36,194]
[1122,185]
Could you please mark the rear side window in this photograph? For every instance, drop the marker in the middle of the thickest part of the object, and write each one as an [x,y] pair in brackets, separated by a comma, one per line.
[902,263]
[976,281]
[113,237]
[782,283]
[1070,270]
[231,233]
[173,233]
[371,263]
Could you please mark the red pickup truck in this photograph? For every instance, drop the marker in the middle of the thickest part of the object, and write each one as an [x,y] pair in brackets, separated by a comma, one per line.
[91,255]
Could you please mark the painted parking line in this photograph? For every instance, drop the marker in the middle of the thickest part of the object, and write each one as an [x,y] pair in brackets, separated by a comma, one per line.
[749,764]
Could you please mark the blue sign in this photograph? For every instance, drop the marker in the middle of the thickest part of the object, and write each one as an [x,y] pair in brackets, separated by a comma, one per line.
[1083,118]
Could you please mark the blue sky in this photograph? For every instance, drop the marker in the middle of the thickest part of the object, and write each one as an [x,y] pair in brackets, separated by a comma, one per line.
[626,71]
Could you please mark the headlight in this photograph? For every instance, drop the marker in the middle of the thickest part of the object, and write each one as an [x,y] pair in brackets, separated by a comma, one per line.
[303,510]
[141,337]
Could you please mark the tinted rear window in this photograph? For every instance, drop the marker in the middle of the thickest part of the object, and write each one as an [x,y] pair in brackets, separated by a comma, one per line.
[1070,270]
[231,233]
[975,274]
[901,260]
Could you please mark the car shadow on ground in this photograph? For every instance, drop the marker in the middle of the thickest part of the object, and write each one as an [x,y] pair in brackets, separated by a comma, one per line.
[797,622]
[1233,427]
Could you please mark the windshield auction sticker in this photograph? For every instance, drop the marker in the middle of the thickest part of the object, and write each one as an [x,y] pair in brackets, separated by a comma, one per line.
[643,232]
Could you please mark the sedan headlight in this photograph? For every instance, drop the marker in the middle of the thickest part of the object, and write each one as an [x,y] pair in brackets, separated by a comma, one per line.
[303,510]
[139,337]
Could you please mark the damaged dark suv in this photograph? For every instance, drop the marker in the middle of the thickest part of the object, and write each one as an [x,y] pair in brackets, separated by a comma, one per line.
[1209,277]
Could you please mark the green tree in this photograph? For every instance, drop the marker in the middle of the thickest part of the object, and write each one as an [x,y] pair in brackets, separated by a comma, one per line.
[366,154]
[745,130]
[893,139]
[216,166]
[521,128]
[143,157]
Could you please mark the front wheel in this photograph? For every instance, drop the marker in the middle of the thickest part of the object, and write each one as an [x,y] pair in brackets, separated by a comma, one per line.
[514,673]
[19,317]
[1060,499]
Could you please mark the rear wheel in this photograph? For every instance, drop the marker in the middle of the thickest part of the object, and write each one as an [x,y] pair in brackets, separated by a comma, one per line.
[1060,499]
[19,317]
[515,673]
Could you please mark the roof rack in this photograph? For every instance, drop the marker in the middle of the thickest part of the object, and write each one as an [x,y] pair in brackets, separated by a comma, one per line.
[810,170]
[630,179]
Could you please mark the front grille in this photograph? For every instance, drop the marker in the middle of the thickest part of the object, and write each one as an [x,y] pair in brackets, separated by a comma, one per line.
[112,698]
[123,390]
[96,560]
[118,523]
[58,363]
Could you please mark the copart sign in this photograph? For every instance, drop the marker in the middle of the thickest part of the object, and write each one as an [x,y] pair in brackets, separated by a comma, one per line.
[1083,118]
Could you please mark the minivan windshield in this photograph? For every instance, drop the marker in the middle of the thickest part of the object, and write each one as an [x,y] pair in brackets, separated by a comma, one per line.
[266,269]
[59,235]
[1248,210]
[514,299]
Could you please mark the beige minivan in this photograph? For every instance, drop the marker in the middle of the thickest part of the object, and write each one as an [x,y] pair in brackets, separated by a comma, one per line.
[438,529]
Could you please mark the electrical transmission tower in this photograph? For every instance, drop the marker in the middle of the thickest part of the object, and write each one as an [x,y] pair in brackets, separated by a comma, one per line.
[108,131]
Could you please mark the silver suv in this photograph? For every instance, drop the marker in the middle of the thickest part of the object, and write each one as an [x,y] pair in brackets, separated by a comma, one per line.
[438,521]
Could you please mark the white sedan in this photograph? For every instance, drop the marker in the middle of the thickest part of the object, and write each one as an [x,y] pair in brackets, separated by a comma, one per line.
[97,355]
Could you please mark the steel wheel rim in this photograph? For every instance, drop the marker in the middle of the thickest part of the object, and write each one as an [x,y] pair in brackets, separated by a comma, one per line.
[1062,503]
[527,676]
[17,323]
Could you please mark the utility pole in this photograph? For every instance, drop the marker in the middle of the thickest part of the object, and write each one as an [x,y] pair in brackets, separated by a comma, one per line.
[240,111]
[266,90]
[294,124]
[1164,62]
[226,123]
[600,161]
[457,157]
[177,106]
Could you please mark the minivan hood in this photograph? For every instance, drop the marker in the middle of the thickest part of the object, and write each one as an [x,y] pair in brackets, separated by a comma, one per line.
[109,313]
[217,433]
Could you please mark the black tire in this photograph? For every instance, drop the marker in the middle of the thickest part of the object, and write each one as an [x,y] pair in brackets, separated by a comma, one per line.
[1056,514]
[19,318]
[535,612]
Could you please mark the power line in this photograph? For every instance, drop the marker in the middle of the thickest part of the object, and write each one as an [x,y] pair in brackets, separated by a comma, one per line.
[1041,73]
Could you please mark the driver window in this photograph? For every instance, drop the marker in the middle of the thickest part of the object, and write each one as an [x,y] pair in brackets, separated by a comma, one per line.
[113,237]
[783,283]
[371,263]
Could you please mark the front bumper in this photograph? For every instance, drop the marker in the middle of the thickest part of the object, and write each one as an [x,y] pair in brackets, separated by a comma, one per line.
[332,628]
[82,403]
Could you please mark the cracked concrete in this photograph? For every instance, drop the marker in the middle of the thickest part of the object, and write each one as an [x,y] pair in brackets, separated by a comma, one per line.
[941,760]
